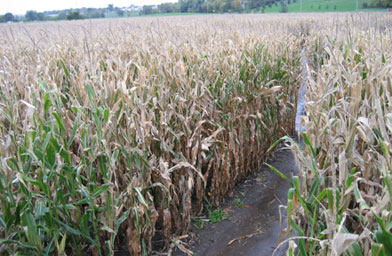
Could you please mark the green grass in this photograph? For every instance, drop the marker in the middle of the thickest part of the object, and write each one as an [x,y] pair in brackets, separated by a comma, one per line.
[239,203]
[323,6]
[216,215]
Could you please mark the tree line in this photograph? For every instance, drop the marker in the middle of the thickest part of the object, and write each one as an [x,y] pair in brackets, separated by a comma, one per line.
[211,6]
[182,6]
[380,3]
[68,14]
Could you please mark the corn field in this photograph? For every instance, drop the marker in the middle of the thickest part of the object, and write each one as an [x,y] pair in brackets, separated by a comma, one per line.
[113,133]
[340,203]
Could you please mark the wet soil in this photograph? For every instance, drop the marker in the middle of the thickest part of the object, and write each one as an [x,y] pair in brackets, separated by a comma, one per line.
[253,225]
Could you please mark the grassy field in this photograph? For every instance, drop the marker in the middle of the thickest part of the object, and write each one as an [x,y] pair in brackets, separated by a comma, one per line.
[323,6]
[114,133]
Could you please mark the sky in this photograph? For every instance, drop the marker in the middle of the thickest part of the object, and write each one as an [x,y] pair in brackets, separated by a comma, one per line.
[21,6]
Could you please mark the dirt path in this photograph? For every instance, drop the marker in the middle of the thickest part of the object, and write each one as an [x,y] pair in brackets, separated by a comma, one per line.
[255,227]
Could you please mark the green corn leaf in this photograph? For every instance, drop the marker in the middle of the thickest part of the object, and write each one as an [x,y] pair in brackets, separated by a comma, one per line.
[140,197]
[378,250]
[279,173]
[32,232]
[74,129]
[46,103]
[59,121]
[106,115]
[62,244]
[307,142]
[122,218]
[100,190]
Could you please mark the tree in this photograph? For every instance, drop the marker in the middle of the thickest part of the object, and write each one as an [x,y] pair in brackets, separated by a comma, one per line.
[120,12]
[40,16]
[61,16]
[146,10]
[31,15]
[212,6]
[381,3]
[9,17]
[284,8]
[192,5]
[74,15]
[169,7]
[237,6]
[110,7]
[228,5]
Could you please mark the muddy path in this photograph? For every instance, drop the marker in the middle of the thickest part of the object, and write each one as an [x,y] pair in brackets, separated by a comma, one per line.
[253,224]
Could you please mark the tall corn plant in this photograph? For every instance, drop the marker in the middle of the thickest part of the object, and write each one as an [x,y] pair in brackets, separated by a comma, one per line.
[340,204]
[120,135]
[114,132]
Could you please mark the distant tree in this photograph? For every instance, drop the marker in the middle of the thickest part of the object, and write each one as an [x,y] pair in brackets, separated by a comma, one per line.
[9,17]
[381,3]
[34,16]
[206,7]
[227,6]
[195,5]
[61,16]
[146,10]
[120,12]
[215,6]
[237,6]
[31,15]
[94,13]
[253,4]
[110,7]
[283,8]
[74,15]
[41,16]
[169,7]
[97,14]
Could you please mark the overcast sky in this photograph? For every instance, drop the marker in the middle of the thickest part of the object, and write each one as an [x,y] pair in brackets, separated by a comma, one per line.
[21,6]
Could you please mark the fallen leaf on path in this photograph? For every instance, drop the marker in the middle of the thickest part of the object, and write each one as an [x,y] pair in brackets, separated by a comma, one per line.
[176,242]
[259,231]
[227,210]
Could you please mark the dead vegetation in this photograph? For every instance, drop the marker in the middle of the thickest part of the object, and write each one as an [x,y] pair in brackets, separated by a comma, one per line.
[113,132]
[340,204]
